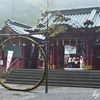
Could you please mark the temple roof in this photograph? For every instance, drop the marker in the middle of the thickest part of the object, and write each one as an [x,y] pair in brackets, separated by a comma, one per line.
[20,28]
[79,18]
[75,18]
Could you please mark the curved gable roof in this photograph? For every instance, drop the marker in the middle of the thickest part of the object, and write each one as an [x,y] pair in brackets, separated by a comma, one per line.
[79,18]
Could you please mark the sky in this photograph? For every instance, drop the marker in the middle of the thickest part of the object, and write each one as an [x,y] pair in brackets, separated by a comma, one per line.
[9,7]
[55,4]
[70,4]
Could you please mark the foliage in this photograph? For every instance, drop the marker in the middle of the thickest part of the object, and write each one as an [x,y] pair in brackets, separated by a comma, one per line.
[24,11]
[56,30]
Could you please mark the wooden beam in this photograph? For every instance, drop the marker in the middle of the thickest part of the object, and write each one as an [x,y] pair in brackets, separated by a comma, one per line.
[35,33]
[73,38]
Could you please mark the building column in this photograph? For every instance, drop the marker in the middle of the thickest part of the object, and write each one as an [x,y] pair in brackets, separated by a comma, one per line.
[89,53]
[52,57]
[56,56]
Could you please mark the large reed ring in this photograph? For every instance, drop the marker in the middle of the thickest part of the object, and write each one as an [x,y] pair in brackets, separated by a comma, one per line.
[43,54]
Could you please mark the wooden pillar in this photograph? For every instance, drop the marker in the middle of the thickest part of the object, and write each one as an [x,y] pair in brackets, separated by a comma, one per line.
[57,57]
[0,72]
[89,53]
[1,63]
[53,57]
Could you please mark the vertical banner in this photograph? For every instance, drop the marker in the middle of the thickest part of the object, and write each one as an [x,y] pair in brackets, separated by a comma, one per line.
[9,58]
[1,64]
[32,50]
[31,54]
[83,48]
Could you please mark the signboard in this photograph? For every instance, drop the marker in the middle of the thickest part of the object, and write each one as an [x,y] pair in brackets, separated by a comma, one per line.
[9,57]
[69,49]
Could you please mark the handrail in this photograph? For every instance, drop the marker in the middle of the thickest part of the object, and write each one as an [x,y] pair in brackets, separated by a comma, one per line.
[13,67]
[7,73]
[13,62]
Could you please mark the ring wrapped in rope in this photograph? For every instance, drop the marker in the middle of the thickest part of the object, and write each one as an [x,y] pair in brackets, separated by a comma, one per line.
[45,63]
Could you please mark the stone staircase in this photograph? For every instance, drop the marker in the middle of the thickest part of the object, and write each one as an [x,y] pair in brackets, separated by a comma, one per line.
[67,78]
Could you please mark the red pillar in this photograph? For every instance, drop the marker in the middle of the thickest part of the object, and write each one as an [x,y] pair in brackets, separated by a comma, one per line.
[53,54]
[89,53]
[57,57]
[1,54]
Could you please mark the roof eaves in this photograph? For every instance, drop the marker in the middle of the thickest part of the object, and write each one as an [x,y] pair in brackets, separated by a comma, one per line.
[76,10]
[16,23]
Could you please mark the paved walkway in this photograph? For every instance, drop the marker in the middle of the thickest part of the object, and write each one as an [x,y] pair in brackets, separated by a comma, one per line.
[54,93]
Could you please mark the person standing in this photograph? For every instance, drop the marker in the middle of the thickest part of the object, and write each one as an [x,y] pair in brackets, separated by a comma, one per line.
[70,62]
[81,62]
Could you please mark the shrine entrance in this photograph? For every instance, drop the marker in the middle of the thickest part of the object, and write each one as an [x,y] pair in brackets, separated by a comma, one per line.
[73,54]
[68,53]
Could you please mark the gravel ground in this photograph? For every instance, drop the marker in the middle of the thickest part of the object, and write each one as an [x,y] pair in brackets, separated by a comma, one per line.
[54,93]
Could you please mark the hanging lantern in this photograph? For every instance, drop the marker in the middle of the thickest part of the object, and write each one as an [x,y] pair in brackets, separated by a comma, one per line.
[63,42]
[14,44]
[57,42]
[76,42]
[96,40]
[19,43]
[24,44]
[69,42]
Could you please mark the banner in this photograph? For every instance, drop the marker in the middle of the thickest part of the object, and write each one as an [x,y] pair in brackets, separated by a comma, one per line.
[32,50]
[9,58]
[83,48]
[69,49]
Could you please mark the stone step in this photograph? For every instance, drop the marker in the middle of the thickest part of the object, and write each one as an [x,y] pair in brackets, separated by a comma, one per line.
[55,71]
[86,78]
[56,79]
[65,84]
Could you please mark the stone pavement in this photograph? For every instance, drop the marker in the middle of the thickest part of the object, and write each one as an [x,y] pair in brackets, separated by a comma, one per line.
[54,93]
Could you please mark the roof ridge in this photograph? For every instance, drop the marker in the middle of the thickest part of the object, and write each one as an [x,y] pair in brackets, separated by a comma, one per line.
[17,23]
[76,8]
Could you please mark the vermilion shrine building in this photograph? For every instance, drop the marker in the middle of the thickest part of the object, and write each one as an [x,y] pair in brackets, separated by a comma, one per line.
[74,29]
[78,28]
[23,55]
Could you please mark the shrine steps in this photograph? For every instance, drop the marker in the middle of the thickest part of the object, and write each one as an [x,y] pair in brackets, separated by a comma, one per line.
[66,78]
